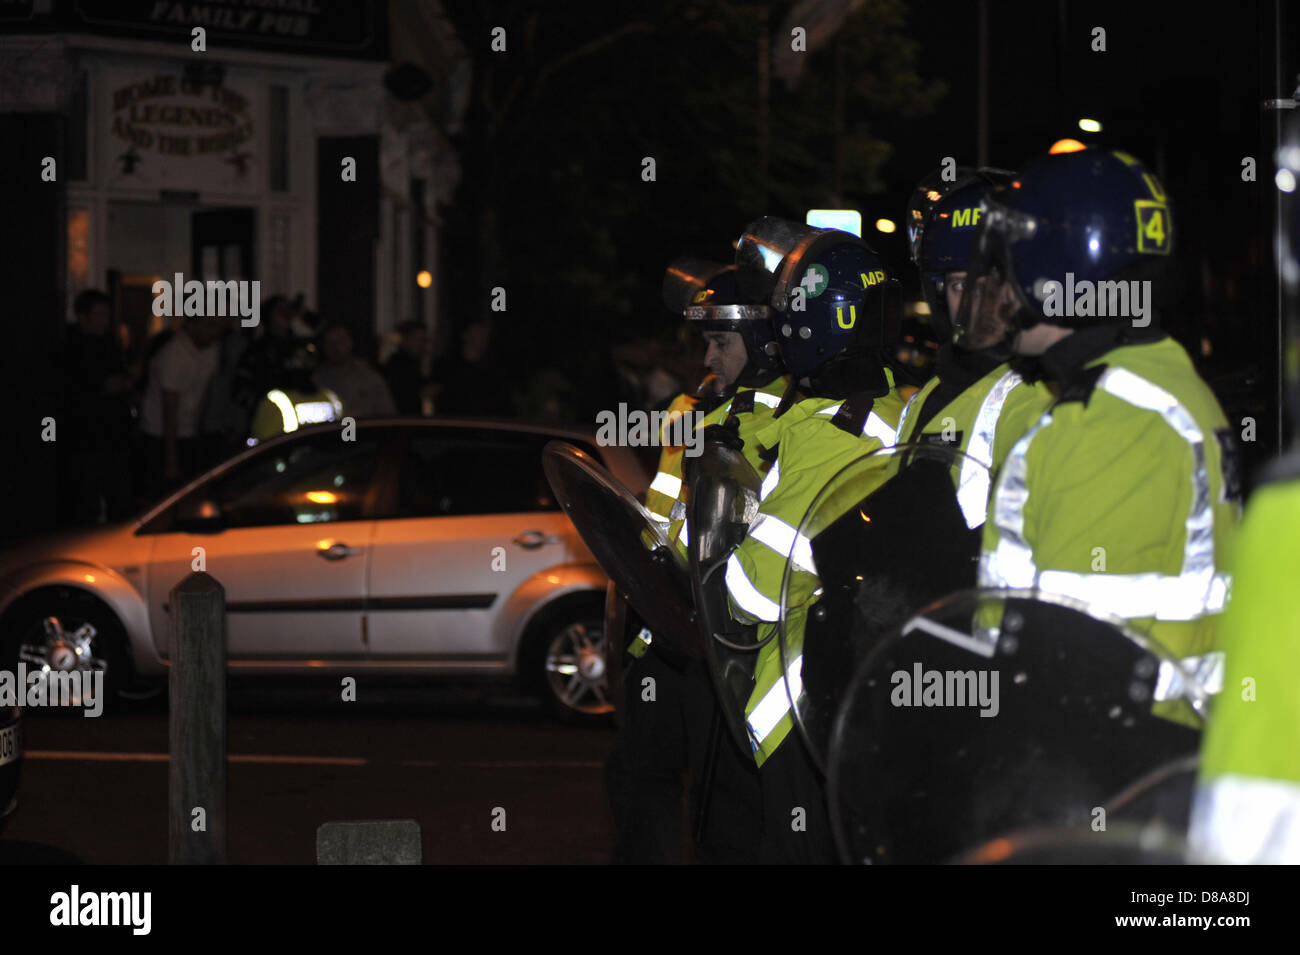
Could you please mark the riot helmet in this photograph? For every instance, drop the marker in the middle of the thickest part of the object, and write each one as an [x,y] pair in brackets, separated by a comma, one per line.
[708,296]
[928,193]
[830,292]
[943,241]
[1075,240]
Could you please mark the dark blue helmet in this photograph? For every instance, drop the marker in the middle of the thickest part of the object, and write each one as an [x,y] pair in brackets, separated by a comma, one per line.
[708,296]
[928,193]
[827,288]
[1095,215]
[945,238]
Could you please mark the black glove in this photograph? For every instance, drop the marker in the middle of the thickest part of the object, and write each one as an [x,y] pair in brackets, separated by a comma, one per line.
[726,434]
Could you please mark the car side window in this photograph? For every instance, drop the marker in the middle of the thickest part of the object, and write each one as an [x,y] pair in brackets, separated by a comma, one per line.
[451,473]
[318,480]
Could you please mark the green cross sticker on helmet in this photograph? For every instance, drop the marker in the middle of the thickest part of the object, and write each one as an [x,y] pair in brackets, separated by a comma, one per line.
[815,280]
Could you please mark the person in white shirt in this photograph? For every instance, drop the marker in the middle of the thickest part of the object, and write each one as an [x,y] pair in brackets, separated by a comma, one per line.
[360,388]
[179,376]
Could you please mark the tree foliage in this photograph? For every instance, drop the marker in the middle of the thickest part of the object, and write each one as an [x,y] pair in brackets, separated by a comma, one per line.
[553,205]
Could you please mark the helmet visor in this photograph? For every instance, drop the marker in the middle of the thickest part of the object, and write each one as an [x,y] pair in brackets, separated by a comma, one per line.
[935,287]
[991,299]
[685,279]
[761,251]
[924,199]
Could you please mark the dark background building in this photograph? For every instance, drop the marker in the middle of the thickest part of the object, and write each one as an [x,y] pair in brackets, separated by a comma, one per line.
[504,146]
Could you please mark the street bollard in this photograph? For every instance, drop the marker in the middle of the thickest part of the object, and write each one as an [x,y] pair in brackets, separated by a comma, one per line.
[197,732]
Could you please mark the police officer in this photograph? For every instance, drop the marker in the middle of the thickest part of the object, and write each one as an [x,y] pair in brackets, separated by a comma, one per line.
[831,293]
[669,732]
[916,538]
[724,358]
[1247,806]
[667,483]
[975,402]
[1123,494]
[742,351]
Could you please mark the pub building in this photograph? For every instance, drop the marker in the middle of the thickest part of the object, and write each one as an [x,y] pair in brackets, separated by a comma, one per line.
[225,164]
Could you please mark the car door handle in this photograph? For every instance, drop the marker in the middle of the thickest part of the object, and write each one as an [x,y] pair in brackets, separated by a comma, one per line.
[534,539]
[336,551]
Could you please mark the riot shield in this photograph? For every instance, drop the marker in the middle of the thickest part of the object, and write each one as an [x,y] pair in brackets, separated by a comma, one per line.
[628,543]
[723,504]
[996,711]
[879,556]
[1145,824]
[1122,844]
[1161,800]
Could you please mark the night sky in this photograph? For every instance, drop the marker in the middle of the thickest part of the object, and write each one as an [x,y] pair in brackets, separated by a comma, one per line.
[583,242]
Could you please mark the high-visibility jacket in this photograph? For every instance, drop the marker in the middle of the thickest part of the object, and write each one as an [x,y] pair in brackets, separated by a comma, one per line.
[813,445]
[667,483]
[753,408]
[1124,495]
[1247,806]
[281,411]
[984,421]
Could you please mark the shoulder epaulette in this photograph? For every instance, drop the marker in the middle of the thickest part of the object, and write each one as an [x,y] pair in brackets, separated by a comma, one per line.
[853,413]
[1082,385]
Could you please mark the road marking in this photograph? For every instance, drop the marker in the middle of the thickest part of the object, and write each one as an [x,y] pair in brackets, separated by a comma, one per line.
[99,757]
[504,764]
[301,760]
[259,759]
[163,758]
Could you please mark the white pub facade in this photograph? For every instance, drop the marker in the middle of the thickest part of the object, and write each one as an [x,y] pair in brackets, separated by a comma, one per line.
[229,162]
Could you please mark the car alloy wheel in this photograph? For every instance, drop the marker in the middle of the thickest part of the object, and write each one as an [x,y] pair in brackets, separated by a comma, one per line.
[575,669]
[64,645]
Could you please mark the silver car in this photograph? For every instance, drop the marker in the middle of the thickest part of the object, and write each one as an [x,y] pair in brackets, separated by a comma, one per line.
[426,546]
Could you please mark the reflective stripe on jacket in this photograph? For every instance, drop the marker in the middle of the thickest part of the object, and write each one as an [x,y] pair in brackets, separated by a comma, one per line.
[1119,499]
[812,449]
[1247,807]
[984,421]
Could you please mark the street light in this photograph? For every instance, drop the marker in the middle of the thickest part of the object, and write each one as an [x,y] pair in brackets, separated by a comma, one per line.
[1066,146]
[885,225]
[1090,125]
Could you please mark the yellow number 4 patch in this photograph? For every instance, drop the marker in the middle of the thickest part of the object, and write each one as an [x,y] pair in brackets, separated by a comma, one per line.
[1154,230]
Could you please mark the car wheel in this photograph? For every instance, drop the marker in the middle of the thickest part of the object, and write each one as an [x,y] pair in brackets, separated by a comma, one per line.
[569,660]
[68,631]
